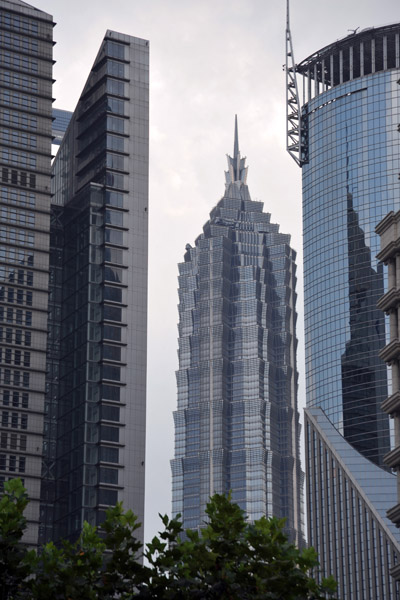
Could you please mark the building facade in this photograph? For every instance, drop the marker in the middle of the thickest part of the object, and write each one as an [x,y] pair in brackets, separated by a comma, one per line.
[96,361]
[348,147]
[236,425]
[73,278]
[26,48]
[388,230]
[348,498]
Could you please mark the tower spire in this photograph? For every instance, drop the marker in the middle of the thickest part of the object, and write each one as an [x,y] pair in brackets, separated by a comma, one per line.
[237,170]
[236,142]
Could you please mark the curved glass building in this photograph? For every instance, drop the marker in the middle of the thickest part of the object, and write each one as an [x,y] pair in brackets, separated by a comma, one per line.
[350,156]
[237,424]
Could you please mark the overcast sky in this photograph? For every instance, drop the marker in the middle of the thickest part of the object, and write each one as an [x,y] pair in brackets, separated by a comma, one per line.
[209,60]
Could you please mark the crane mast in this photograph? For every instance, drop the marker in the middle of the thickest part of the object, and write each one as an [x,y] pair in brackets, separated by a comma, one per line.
[293,119]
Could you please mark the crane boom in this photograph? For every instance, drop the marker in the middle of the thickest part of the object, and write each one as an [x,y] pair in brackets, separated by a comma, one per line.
[293,120]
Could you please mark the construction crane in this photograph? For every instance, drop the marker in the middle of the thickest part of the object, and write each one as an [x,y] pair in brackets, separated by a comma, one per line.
[293,118]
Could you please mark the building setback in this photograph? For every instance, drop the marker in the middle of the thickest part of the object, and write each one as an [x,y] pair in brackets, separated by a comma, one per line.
[236,425]
[348,147]
[26,48]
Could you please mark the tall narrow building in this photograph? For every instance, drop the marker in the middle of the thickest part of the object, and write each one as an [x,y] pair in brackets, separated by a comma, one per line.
[26,48]
[236,425]
[96,361]
[345,137]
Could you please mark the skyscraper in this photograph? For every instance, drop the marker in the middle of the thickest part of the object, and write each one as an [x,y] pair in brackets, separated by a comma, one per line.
[73,271]
[345,138]
[236,425]
[26,45]
[96,373]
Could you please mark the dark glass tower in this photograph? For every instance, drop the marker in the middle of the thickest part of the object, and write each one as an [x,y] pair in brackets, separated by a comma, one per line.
[348,147]
[236,426]
[26,52]
[96,361]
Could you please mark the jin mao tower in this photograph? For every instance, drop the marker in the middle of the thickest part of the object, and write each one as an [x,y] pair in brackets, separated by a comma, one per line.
[236,425]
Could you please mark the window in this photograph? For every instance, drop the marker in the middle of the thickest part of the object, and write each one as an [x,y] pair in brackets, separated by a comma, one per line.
[116,124]
[109,454]
[115,50]
[112,352]
[116,88]
[109,497]
[113,294]
[112,313]
[113,274]
[115,142]
[113,255]
[114,217]
[115,161]
[117,69]
[110,413]
[110,434]
[111,392]
[112,333]
[110,372]
[108,475]
[113,236]
[17,378]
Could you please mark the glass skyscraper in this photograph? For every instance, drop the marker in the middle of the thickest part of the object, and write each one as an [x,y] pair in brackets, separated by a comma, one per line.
[349,152]
[73,278]
[96,360]
[236,425]
[26,52]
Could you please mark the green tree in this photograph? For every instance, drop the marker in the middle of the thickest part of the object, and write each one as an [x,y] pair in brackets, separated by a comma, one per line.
[95,567]
[13,567]
[229,559]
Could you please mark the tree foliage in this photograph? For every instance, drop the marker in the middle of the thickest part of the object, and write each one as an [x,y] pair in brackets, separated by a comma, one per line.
[228,559]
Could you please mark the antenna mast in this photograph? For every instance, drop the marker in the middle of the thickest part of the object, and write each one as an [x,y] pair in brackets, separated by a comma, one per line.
[293,121]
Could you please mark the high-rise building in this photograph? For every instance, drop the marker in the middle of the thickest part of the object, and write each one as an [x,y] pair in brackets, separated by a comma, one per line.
[236,425]
[345,138]
[96,369]
[388,230]
[73,278]
[26,48]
